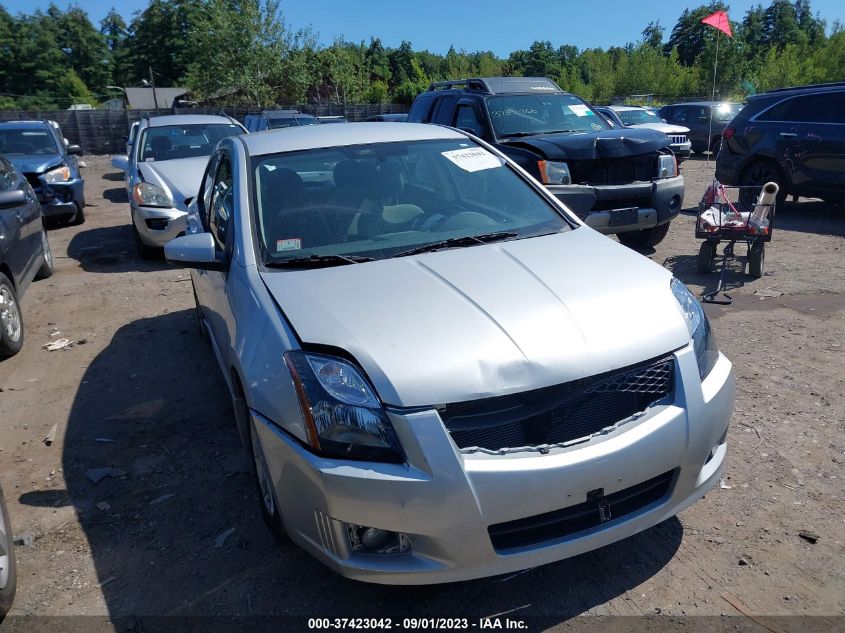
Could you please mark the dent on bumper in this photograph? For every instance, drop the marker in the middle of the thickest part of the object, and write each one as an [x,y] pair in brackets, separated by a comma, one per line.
[444,501]
[61,199]
[173,221]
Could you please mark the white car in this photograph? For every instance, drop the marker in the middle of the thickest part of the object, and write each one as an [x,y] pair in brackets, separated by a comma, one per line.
[440,372]
[163,170]
[634,116]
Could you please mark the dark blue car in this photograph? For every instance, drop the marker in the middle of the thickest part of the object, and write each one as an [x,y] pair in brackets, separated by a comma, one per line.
[51,167]
[24,252]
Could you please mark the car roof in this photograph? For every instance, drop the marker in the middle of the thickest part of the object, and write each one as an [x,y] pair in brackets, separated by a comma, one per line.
[316,136]
[704,103]
[187,119]
[25,125]
[797,90]
[625,108]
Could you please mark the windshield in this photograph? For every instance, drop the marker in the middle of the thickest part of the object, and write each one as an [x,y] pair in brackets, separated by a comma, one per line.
[171,142]
[526,115]
[383,199]
[290,121]
[726,111]
[638,117]
[32,141]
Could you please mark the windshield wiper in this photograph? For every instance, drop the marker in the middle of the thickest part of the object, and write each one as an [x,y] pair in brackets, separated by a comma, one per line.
[521,134]
[456,242]
[318,261]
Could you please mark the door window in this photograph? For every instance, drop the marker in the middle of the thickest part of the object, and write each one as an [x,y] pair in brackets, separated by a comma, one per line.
[466,118]
[817,108]
[221,203]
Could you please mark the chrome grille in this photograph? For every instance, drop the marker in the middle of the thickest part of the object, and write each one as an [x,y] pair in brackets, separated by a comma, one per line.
[678,139]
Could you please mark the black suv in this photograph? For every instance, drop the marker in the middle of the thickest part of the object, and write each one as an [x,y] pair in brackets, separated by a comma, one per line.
[618,181]
[792,136]
[704,134]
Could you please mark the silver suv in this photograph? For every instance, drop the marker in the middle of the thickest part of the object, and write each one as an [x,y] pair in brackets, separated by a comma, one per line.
[163,171]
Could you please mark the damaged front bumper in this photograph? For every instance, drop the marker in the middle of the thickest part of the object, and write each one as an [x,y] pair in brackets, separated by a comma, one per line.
[464,516]
[157,226]
[614,209]
[60,199]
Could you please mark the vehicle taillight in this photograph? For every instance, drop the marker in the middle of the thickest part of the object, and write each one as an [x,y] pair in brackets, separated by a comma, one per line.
[728,133]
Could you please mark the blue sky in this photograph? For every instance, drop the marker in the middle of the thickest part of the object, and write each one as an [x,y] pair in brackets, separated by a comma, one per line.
[497,25]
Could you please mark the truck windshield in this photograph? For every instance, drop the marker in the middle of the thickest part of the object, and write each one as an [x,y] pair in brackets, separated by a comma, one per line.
[638,117]
[528,115]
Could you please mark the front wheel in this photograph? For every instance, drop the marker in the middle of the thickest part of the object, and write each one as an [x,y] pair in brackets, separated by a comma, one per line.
[264,481]
[46,269]
[644,238]
[757,260]
[706,255]
[11,320]
[8,575]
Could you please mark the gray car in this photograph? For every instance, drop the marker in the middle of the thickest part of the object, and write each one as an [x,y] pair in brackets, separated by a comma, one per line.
[440,372]
[163,171]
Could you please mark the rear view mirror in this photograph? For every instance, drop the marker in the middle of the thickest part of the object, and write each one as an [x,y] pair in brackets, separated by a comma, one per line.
[120,162]
[12,198]
[195,251]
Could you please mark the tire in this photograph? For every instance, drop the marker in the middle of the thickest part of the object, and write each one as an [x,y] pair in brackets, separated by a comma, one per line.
[264,484]
[198,311]
[145,251]
[757,260]
[79,218]
[758,174]
[706,255]
[644,238]
[8,569]
[46,269]
[11,319]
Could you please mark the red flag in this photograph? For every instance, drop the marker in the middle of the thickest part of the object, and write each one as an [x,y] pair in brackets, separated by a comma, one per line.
[720,21]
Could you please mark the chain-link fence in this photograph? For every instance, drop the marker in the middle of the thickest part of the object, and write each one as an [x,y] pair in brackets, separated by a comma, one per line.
[105,131]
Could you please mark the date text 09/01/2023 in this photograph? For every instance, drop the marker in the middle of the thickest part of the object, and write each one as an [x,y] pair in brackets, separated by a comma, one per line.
[410,624]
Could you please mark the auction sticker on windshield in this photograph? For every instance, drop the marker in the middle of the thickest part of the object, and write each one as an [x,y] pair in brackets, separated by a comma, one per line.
[473,159]
[290,244]
[581,110]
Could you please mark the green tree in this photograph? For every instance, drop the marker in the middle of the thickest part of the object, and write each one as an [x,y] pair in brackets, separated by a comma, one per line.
[115,32]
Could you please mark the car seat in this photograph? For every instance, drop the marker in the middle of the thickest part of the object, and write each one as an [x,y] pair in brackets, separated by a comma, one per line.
[380,211]
[160,147]
[287,214]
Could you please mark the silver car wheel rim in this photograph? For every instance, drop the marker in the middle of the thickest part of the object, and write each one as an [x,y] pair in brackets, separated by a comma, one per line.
[263,476]
[45,246]
[5,549]
[10,316]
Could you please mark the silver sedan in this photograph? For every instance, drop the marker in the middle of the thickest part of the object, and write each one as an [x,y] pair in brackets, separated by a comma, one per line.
[440,372]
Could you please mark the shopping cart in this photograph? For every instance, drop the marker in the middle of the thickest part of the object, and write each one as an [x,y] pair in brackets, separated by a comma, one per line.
[734,214]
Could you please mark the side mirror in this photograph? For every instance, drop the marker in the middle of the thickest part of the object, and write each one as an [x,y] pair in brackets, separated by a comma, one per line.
[74,150]
[120,162]
[195,251]
[12,198]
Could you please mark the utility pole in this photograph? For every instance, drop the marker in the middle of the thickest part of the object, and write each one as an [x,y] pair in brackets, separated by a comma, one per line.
[153,84]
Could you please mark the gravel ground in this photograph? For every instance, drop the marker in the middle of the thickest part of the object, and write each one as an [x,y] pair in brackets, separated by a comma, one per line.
[141,393]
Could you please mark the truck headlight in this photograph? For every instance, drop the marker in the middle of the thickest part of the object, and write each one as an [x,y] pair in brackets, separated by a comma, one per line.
[554,172]
[667,166]
[148,195]
[343,416]
[703,339]
[60,174]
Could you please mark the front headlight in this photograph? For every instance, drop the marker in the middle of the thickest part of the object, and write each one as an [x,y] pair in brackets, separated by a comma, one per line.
[554,172]
[667,166]
[703,339]
[148,195]
[60,174]
[343,416]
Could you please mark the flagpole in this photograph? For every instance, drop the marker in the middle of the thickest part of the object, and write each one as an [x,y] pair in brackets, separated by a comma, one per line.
[713,97]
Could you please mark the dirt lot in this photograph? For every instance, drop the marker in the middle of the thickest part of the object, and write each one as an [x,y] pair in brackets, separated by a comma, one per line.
[140,392]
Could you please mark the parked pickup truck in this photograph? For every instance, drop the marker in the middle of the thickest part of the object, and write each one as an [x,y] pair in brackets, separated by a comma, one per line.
[622,182]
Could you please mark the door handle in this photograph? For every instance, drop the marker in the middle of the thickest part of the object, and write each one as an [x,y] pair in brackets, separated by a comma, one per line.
[788,134]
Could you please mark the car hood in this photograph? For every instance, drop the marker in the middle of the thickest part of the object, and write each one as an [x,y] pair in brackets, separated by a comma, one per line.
[593,145]
[488,320]
[182,177]
[35,163]
[666,128]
